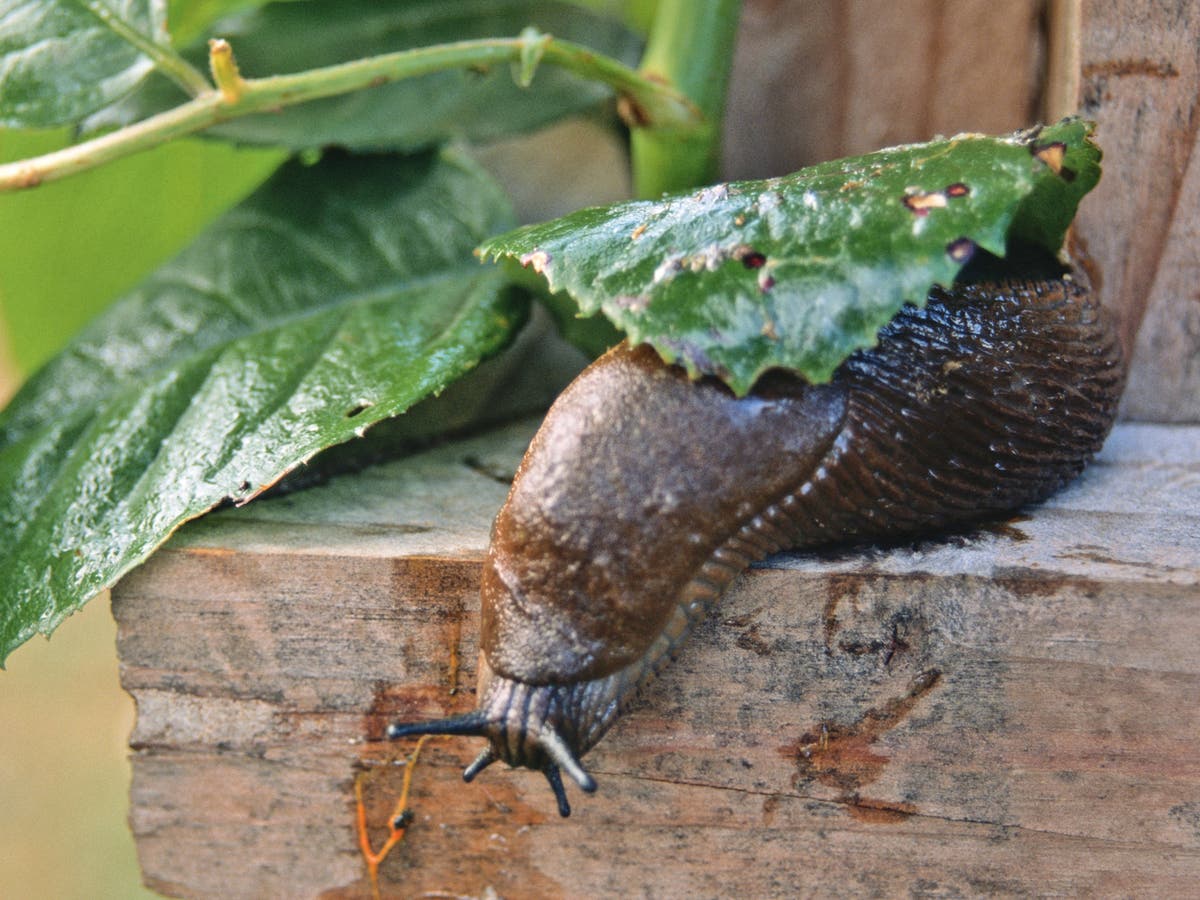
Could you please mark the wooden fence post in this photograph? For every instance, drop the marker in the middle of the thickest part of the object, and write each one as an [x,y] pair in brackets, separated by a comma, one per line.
[1011,711]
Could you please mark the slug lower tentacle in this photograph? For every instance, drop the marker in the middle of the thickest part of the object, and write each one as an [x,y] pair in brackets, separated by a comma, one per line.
[643,494]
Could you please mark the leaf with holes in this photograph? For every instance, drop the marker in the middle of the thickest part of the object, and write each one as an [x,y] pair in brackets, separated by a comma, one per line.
[799,272]
[337,295]
[61,60]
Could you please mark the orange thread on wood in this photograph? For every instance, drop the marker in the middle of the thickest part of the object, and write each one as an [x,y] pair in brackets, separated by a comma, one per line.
[397,822]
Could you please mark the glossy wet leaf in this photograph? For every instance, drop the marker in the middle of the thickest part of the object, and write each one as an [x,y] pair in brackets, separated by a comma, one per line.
[335,296]
[799,272]
[59,62]
[281,38]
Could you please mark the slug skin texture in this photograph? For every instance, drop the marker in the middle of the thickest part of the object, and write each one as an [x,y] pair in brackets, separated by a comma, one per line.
[644,494]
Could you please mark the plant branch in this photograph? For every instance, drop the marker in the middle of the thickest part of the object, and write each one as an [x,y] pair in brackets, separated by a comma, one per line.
[225,73]
[691,49]
[660,105]
[165,59]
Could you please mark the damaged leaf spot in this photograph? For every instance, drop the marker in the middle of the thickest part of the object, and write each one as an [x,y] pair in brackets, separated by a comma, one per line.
[539,259]
[359,409]
[765,281]
[749,257]
[632,302]
[921,203]
[708,259]
[668,269]
[714,194]
[961,250]
[638,232]
[1051,154]
[768,201]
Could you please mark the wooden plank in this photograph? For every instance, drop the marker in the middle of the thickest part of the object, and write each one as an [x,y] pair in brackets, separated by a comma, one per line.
[1164,381]
[1010,711]
[1141,83]
[815,81]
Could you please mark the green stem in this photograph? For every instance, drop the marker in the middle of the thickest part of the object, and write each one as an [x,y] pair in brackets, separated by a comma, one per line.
[167,60]
[691,49]
[663,106]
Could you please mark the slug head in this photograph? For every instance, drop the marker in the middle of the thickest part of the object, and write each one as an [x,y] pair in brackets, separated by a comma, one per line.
[525,725]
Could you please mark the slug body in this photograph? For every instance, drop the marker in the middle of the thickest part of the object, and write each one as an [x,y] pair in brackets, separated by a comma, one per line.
[643,494]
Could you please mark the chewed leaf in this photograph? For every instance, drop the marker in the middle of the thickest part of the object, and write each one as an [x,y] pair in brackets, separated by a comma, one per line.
[799,272]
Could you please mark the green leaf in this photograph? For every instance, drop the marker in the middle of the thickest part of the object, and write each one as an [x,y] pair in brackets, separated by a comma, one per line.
[59,62]
[335,296]
[799,272]
[407,115]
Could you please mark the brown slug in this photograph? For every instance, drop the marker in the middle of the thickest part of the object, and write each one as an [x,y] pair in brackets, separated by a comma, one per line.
[643,494]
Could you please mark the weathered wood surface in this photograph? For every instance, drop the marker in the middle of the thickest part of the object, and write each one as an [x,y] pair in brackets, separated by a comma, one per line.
[1013,711]
[815,81]
[1141,83]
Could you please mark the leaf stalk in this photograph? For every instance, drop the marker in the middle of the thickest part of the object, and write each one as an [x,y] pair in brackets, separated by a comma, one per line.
[691,49]
[170,63]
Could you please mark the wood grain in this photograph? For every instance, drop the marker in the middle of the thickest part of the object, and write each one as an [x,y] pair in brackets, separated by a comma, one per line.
[1009,711]
[815,81]
[1141,83]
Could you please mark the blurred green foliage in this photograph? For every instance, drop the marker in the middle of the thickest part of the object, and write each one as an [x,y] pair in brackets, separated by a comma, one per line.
[189,19]
[68,248]
[64,777]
